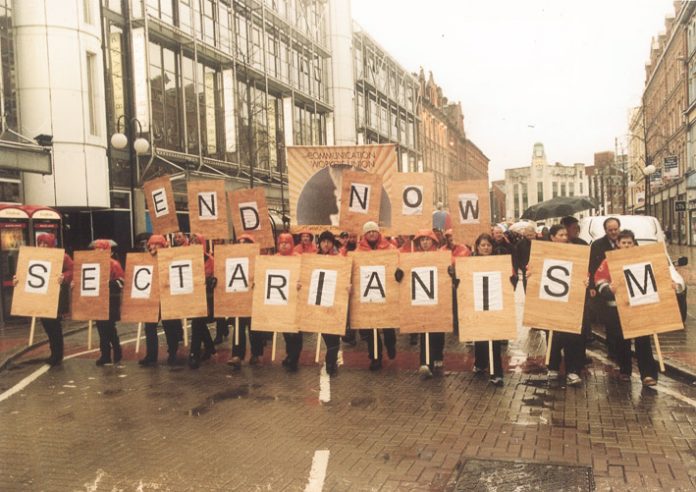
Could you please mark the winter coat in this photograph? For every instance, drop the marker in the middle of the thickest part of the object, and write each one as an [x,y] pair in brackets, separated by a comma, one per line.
[381,244]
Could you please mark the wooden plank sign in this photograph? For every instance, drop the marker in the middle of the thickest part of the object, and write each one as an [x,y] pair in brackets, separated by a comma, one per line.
[208,208]
[275,293]
[323,295]
[555,296]
[160,205]
[360,200]
[141,301]
[181,275]
[38,284]
[250,215]
[425,292]
[234,269]
[374,299]
[469,204]
[486,301]
[411,197]
[645,298]
[90,290]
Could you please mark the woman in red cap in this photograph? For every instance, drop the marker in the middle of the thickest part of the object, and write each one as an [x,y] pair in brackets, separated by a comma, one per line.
[293,341]
[200,334]
[108,336]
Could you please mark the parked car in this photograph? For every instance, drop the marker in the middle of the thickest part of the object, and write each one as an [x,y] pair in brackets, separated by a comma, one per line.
[647,229]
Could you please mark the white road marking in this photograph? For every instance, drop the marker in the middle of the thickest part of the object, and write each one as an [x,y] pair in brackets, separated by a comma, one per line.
[324,386]
[317,474]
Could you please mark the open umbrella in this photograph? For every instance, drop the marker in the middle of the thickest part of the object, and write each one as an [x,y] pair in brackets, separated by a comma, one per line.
[559,207]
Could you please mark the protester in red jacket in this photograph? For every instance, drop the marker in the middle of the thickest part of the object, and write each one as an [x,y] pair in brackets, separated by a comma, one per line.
[327,246]
[200,334]
[108,336]
[306,243]
[293,341]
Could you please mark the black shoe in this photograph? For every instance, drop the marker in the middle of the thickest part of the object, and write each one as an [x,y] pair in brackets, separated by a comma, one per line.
[194,362]
[147,362]
[375,365]
[118,354]
[285,362]
[331,369]
[413,339]
[103,360]
[207,353]
[54,361]
[291,366]
[171,360]
[391,351]
[255,360]
[219,338]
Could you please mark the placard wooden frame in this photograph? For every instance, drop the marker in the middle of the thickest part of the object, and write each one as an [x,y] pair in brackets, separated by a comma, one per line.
[91,308]
[410,224]
[467,233]
[214,228]
[352,221]
[193,305]
[34,304]
[233,304]
[279,319]
[373,315]
[136,310]
[264,234]
[169,222]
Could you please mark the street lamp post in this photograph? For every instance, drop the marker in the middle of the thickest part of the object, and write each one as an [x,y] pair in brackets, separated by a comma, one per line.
[647,172]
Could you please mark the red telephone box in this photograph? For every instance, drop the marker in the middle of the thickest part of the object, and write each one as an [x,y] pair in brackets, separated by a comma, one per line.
[14,233]
[45,220]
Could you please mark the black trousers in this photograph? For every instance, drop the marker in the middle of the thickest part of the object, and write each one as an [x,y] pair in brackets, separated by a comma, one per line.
[54,331]
[200,335]
[646,362]
[573,348]
[108,339]
[173,332]
[481,357]
[333,343]
[389,340]
[222,327]
[257,339]
[437,347]
[293,346]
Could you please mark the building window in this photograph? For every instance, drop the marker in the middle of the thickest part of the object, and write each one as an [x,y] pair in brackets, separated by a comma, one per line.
[92,94]
[87,11]
[516,197]
[554,188]
[525,199]
[165,98]
[571,189]
[9,85]
[581,190]
[563,189]
[540,192]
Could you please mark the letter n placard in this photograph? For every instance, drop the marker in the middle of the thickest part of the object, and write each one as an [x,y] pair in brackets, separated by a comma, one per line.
[555,296]
[275,293]
[208,208]
[181,276]
[90,290]
[374,298]
[234,270]
[360,200]
[250,215]
[486,302]
[645,298]
[411,198]
[37,290]
[159,197]
[323,295]
[470,210]
[140,301]
[425,293]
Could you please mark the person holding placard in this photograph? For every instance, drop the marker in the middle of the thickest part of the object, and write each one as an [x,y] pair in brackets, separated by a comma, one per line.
[293,341]
[200,334]
[173,331]
[306,244]
[457,250]
[607,290]
[327,246]
[108,336]
[372,240]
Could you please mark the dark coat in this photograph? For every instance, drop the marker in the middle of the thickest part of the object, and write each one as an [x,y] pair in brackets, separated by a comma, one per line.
[598,252]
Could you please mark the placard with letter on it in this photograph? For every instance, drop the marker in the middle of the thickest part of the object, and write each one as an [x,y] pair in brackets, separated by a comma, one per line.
[411,198]
[360,200]
[181,275]
[374,298]
[323,295]
[470,209]
[141,301]
[160,205]
[38,286]
[275,293]
[90,290]
[208,208]
[234,270]
[250,215]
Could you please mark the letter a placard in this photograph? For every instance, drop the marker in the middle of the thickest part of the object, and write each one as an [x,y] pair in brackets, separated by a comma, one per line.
[425,293]
[360,200]
[645,298]
[485,298]
[411,198]
[374,298]
[556,290]
[234,269]
[208,208]
[275,293]
[469,208]
[37,290]
[323,295]
[250,215]
[181,276]
[160,205]
[141,301]
[90,291]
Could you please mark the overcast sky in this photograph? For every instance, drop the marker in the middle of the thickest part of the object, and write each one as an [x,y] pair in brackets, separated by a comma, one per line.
[564,73]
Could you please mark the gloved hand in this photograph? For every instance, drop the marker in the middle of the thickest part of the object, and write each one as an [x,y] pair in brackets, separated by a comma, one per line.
[210,282]
[399,274]
[455,282]
[116,284]
[452,273]
[514,279]
[606,294]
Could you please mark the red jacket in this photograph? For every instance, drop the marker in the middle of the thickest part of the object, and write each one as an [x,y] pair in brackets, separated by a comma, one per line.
[382,244]
[67,269]
[301,249]
[115,270]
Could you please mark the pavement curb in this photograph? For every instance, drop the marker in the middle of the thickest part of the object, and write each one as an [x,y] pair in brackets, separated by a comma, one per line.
[19,352]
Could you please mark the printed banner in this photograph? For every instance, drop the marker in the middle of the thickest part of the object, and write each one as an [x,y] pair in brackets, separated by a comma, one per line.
[486,300]
[250,215]
[275,293]
[141,301]
[323,295]
[425,292]
[360,197]
[555,297]
[411,196]
[374,297]
[181,275]
[470,209]
[645,298]
[315,181]
[159,197]
[670,167]
[234,270]
[38,286]
[90,289]
[208,208]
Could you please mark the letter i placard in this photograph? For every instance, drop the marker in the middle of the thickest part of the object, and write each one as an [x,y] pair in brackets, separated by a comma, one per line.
[37,290]
[140,301]
[275,293]
[90,286]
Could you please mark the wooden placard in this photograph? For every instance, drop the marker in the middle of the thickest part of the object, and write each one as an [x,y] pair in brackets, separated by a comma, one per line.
[275,293]
[649,304]
[160,205]
[411,198]
[470,209]
[234,270]
[208,208]
[181,275]
[555,297]
[425,293]
[360,200]
[486,300]
[323,294]
[38,282]
[250,215]
[374,298]
[90,287]
[141,301]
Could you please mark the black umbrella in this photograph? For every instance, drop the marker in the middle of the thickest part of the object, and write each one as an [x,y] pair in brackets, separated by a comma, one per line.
[559,207]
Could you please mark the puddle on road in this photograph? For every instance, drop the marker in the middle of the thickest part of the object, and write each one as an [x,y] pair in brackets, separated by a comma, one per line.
[361,402]
[239,392]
